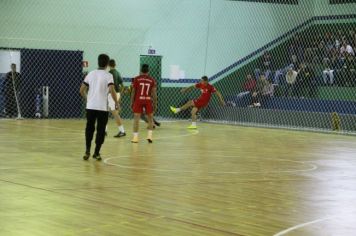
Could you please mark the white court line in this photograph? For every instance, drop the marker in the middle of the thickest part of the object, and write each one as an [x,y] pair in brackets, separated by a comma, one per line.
[302,225]
[312,167]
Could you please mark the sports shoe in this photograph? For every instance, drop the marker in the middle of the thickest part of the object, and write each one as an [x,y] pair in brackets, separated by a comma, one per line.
[86,156]
[157,123]
[134,140]
[97,157]
[173,109]
[192,127]
[120,134]
[149,139]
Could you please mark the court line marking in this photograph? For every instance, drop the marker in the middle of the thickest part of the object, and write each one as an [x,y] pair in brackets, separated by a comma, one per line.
[193,132]
[312,167]
[302,225]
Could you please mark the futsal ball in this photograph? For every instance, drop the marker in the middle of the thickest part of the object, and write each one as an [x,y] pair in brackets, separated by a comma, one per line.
[38,115]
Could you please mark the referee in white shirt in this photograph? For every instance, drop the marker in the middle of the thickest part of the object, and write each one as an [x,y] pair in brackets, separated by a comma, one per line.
[95,88]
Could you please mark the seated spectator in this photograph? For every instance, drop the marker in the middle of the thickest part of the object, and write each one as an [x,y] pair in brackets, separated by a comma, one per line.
[338,39]
[346,48]
[265,66]
[335,62]
[264,90]
[321,52]
[350,37]
[250,84]
[350,70]
[291,77]
[296,49]
[329,42]
[328,73]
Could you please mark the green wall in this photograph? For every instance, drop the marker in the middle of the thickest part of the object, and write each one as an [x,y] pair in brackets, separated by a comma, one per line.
[323,8]
[202,36]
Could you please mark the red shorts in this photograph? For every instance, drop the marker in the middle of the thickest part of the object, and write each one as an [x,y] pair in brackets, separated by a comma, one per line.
[139,107]
[199,103]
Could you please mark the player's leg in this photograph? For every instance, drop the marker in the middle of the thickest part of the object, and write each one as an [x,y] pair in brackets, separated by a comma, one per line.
[155,122]
[149,112]
[150,127]
[119,124]
[100,132]
[136,127]
[194,118]
[89,132]
[182,108]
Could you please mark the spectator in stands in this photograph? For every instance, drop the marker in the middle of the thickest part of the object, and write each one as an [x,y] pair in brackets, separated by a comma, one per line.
[305,81]
[335,62]
[291,77]
[350,37]
[328,73]
[350,70]
[342,72]
[266,61]
[346,48]
[250,84]
[264,90]
[296,49]
[321,52]
[329,42]
[338,39]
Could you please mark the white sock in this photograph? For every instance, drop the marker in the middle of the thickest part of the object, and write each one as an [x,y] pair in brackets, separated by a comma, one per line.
[121,129]
[106,128]
[149,133]
[178,109]
[194,123]
[135,134]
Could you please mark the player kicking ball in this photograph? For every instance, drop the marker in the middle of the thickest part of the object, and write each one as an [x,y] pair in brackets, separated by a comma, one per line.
[143,98]
[197,104]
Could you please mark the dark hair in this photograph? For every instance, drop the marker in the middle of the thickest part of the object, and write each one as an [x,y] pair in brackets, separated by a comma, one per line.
[145,68]
[103,60]
[112,63]
[205,78]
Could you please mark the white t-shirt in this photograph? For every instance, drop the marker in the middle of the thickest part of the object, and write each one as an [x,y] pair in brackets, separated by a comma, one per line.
[347,49]
[98,82]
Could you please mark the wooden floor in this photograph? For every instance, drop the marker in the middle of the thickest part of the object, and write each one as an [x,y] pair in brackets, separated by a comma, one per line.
[221,180]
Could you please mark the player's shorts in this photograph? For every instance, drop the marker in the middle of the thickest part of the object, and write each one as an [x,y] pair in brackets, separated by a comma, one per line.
[140,107]
[111,103]
[199,103]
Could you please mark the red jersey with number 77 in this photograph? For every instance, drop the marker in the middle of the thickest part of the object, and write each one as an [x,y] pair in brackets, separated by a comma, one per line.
[143,85]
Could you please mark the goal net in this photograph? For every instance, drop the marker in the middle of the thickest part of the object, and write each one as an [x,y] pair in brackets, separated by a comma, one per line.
[287,64]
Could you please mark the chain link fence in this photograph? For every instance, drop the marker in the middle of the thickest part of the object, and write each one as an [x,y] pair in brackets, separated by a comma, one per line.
[289,64]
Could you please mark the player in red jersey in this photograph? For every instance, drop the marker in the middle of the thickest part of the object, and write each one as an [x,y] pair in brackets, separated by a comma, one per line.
[206,91]
[143,97]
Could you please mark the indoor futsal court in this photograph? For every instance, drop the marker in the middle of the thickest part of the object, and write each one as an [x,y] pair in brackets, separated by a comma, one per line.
[178,118]
[220,180]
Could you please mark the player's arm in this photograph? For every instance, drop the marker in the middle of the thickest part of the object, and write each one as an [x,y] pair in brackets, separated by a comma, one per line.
[83,90]
[221,99]
[154,98]
[184,90]
[112,92]
[133,90]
